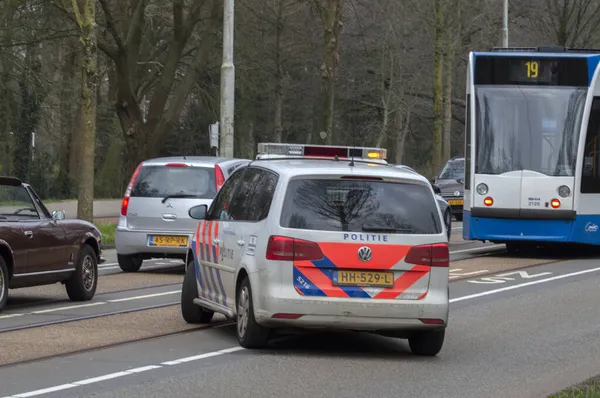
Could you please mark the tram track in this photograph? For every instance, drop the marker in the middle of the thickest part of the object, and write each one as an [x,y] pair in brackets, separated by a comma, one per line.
[85,317]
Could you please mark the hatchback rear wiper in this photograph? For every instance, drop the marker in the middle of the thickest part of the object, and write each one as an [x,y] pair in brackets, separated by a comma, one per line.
[179,195]
[385,229]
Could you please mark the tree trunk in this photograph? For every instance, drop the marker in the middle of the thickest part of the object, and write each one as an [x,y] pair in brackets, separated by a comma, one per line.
[436,150]
[403,129]
[89,85]
[278,114]
[330,14]
[447,129]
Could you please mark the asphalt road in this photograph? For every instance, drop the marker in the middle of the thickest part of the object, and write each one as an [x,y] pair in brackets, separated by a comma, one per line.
[517,334]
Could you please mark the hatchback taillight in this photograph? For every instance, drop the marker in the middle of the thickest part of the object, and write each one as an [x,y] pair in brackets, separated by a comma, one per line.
[282,248]
[436,255]
[125,202]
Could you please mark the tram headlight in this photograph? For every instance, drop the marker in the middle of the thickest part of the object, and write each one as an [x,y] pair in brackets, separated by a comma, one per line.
[482,189]
[564,191]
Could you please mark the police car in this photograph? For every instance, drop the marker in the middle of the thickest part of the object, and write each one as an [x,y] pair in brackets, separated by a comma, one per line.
[324,237]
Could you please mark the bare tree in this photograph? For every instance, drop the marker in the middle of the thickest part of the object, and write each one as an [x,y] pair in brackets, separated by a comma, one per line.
[85,16]
[330,14]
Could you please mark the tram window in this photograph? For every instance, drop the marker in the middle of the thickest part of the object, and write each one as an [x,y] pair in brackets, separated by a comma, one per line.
[590,178]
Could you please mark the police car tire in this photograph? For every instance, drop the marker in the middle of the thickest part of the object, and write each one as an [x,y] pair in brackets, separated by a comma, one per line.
[256,336]
[4,285]
[191,312]
[428,343]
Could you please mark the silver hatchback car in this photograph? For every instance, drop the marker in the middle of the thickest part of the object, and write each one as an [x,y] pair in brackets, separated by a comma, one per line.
[154,221]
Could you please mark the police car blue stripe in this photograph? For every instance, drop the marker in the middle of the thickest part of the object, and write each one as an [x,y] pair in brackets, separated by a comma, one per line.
[216,292]
[221,286]
[312,291]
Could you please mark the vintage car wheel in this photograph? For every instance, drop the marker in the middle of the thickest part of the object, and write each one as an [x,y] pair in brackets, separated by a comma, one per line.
[81,286]
[129,263]
[191,312]
[249,333]
[3,283]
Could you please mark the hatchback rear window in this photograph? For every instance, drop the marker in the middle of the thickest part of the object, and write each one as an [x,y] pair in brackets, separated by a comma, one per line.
[360,206]
[162,181]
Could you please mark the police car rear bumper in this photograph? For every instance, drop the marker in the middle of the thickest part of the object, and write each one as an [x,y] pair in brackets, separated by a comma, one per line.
[352,313]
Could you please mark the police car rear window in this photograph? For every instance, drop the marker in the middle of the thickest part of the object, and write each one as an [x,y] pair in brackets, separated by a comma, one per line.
[163,181]
[360,206]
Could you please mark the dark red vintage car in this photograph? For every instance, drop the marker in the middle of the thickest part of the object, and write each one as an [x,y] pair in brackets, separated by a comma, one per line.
[39,248]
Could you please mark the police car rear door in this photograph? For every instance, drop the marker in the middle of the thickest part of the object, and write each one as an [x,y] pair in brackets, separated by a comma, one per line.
[379,239]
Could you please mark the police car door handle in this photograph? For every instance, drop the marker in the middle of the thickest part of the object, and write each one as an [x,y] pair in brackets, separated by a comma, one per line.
[240,242]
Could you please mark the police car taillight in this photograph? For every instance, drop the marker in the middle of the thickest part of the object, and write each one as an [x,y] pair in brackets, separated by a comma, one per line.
[436,255]
[321,151]
[283,248]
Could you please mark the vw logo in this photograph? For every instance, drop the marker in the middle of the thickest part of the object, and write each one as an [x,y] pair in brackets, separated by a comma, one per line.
[365,253]
[456,193]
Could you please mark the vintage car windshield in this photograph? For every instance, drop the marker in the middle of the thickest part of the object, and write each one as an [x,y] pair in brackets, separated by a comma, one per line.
[453,170]
[16,203]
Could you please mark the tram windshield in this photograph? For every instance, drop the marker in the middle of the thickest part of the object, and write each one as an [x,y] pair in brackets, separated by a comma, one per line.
[528,128]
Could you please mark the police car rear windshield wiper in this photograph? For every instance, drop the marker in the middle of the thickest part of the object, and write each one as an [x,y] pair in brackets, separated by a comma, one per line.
[384,229]
[179,195]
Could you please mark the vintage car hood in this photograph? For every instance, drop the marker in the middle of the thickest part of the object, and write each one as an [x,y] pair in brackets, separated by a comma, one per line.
[448,187]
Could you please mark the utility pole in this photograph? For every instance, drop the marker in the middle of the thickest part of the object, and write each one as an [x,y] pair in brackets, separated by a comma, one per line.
[227,81]
[505,26]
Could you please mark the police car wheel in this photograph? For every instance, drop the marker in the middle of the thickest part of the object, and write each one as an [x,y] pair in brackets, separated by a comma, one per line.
[428,343]
[191,312]
[249,333]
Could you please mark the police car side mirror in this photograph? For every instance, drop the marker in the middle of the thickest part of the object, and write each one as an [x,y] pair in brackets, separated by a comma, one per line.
[437,189]
[198,212]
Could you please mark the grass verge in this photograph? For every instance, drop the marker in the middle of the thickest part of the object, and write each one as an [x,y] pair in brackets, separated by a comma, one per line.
[587,389]
[108,231]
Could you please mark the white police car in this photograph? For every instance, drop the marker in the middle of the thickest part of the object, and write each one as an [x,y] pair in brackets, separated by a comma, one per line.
[321,237]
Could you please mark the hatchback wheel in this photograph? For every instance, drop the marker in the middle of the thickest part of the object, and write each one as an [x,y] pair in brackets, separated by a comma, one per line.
[3,283]
[428,343]
[81,286]
[249,333]
[191,312]
[129,263]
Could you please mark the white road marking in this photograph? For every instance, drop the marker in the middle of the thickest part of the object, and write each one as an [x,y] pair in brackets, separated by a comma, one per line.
[467,273]
[234,349]
[477,249]
[10,316]
[67,308]
[144,296]
[92,304]
[520,285]
[123,373]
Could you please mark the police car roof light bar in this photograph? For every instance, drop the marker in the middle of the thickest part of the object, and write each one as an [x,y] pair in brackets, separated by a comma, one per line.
[321,151]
